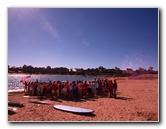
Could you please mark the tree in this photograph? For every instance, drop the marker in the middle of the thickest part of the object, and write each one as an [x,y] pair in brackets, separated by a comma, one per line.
[142,70]
[24,68]
[71,69]
[118,71]
[80,71]
[48,67]
[101,69]
[129,72]
[150,70]
[30,69]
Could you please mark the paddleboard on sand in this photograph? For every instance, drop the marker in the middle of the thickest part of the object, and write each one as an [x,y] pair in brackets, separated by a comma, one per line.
[12,108]
[18,104]
[16,91]
[72,109]
[41,102]
[33,97]
[26,96]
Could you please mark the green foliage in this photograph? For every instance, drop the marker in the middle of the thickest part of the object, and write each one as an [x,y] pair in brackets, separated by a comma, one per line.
[80,71]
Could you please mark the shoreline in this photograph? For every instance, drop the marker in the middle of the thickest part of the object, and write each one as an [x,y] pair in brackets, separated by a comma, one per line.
[49,74]
[97,76]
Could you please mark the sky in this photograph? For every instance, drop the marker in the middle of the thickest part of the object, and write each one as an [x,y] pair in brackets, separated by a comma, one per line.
[83,37]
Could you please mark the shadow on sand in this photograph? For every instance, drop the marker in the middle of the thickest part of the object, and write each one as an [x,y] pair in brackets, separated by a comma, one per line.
[11,112]
[85,114]
[124,98]
[82,114]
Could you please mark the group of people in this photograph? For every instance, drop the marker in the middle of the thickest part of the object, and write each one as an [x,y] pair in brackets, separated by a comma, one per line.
[72,90]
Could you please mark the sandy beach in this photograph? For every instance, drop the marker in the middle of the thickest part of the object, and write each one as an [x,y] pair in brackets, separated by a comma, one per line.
[137,101]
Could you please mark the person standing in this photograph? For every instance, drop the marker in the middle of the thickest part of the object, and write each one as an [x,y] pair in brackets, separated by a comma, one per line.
[111,88]
[70,91]
[53,90]
[85,89]
[115,88]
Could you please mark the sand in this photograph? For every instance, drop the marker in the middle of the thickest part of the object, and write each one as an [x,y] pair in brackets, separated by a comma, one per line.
[137,101]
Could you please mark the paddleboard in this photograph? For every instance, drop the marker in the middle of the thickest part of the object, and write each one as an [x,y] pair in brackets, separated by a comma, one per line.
[16,91]
[12,108]
[33,97]
[18,104]
[26,96]
[72,109]
[41,102]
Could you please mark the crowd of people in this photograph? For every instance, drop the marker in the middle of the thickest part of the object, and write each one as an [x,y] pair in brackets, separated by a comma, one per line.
[72,90]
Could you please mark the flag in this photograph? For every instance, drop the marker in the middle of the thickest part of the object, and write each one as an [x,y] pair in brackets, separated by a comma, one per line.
[27,78]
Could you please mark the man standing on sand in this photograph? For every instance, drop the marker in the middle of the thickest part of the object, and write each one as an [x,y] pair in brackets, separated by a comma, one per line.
[85,89]
[115,88]
[111,88]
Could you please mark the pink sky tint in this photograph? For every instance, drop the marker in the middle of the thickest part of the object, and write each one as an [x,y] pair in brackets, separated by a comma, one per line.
[22,14]
[136,60]
[31,14]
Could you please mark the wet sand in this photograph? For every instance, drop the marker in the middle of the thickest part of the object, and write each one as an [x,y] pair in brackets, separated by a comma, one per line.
[137,101]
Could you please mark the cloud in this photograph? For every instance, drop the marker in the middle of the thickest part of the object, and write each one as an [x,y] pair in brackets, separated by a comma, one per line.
[135,60]
[22,14]
[46,25]
[85,43]
[30,15]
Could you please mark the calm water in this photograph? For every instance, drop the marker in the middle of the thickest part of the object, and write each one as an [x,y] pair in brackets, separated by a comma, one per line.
[14,79]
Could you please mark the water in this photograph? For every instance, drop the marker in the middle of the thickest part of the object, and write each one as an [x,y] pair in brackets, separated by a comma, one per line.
[15,84]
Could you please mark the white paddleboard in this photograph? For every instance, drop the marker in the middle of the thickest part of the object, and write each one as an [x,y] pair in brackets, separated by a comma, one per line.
[26,96]
[33,97]
[72,109]
[16,91]
[12,108]
[41,102]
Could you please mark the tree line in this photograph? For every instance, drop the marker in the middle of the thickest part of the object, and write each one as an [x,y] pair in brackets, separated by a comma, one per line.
[29,69]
